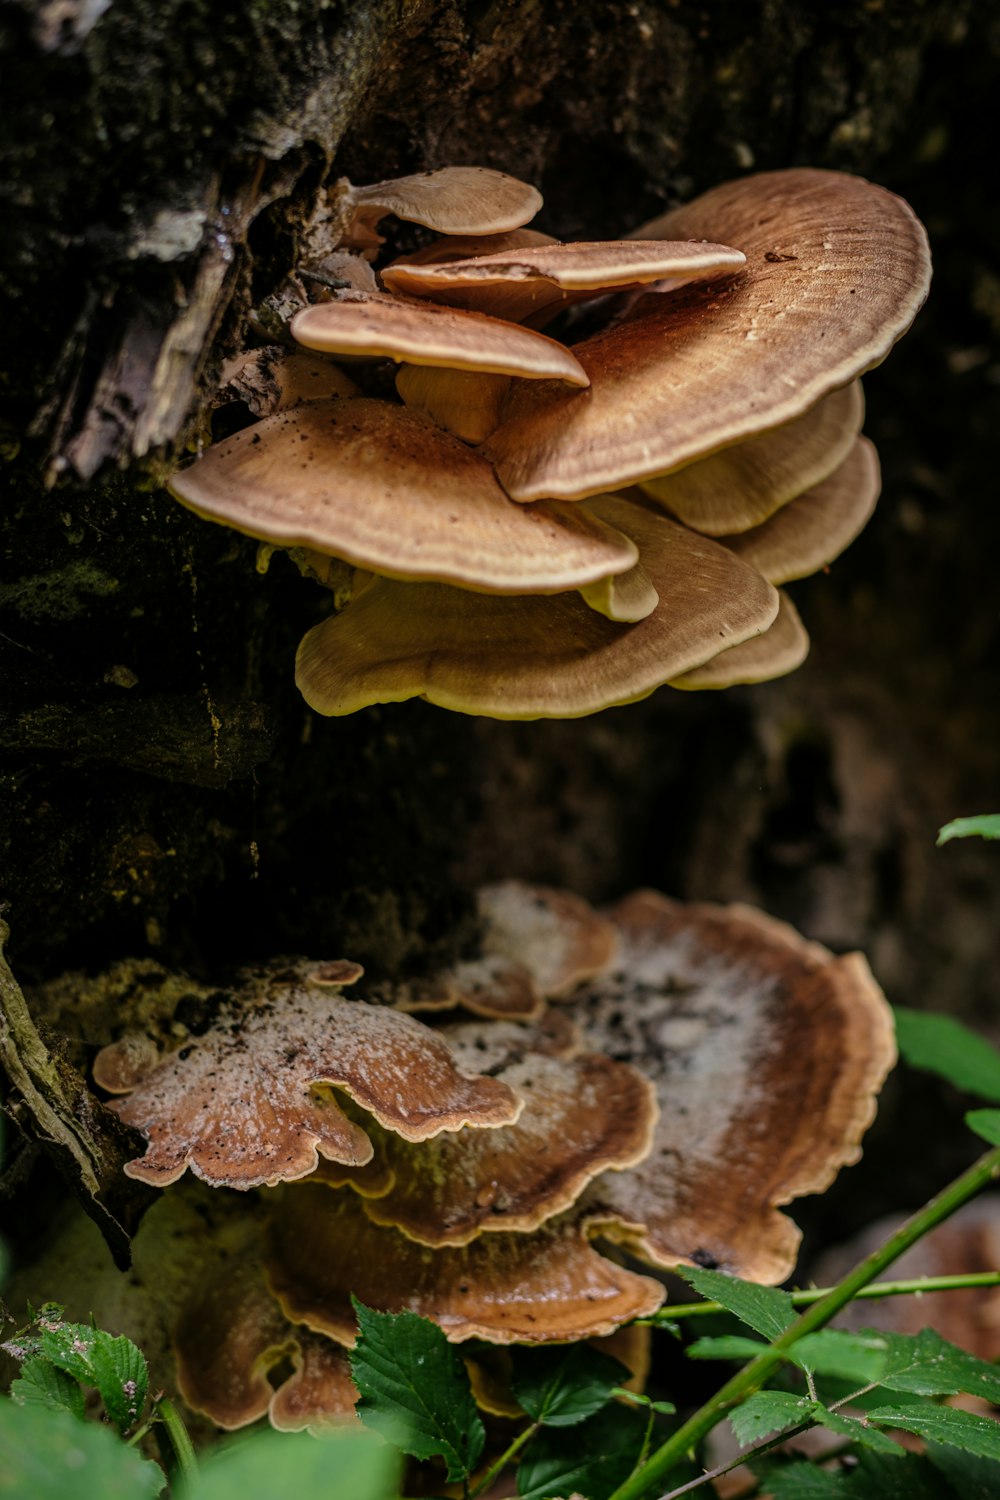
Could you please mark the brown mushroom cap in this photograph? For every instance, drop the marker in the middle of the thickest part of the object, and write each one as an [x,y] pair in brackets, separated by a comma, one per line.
[320,1393]
[385,489]
[742,486]
[580,1117]
[767,1053]
[468,403]
[779,649]
[504,1288]
[489,985]
[594,266]
[836,270]
[556,935]
[519,284]
[526,658]
[228,1338]
[451,200]
[424,333]
[627,597]
[815,528]
[232,1335]
[249,1101]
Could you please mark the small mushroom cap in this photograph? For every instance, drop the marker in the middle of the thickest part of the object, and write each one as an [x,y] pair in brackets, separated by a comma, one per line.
[836,271]
[742,486]
[595,266]
[580,1117]
[451,200]
[320,1393]
[813,529]
[525,658]
[423,333]
[767,1053]
[629,597]
[465,246]
[779,649]
[385,489]
[467,403]
[489,985]
[557,935]
[229,1336]
[249,1102]
[232,1335]
[504,1288]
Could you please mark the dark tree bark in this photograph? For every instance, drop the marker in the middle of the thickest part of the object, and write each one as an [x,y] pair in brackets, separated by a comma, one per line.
[163,789]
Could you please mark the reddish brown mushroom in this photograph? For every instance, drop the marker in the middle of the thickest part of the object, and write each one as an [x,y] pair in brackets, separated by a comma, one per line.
[251,1100]
[767,1053]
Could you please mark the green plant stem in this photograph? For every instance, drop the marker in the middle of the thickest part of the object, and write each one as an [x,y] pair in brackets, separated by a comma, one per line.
[187,1464]
[504,1459]
[759,1370]
[914,1288]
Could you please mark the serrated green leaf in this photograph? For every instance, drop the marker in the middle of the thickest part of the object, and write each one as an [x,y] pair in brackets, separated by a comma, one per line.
[859,1357]
[941,1424]
[765,1412]
[986,1123]
[765,1309]
[407,1372]
[856,1430]
[344,1465]
[925,1364]
[726,1346]
[969,1477]
[122,1380]
[41,1384]
[70,1347]
[592,1459]
[49,1455]
[563,1385]
[941,1045]
[980,825]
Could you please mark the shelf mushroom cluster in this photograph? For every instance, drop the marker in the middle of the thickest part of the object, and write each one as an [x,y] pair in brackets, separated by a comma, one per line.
[659,1079]
[539,530]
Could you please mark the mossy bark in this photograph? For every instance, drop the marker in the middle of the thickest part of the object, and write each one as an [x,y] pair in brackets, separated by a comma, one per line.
[162,787]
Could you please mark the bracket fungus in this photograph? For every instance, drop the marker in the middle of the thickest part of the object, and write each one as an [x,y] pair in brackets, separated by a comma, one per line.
[250,1100]
[725,384]
[696,1068]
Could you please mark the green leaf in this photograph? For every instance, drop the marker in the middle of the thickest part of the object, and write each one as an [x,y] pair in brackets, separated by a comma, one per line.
[980,825]
[859,1357]
[50,1455]
[114,1365]
[408,1373]
[904,1476]
[120,1374]
[856,1430]
[763,1308]
[341,1465]
[563,1385]
[985,1122]
[802,1481]
[70,1347]
[941,1424]
[943,1046]
[726,1346]
[41,1384]
[928,1365]
[593,1459]
[766,1412]
[971,1478]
